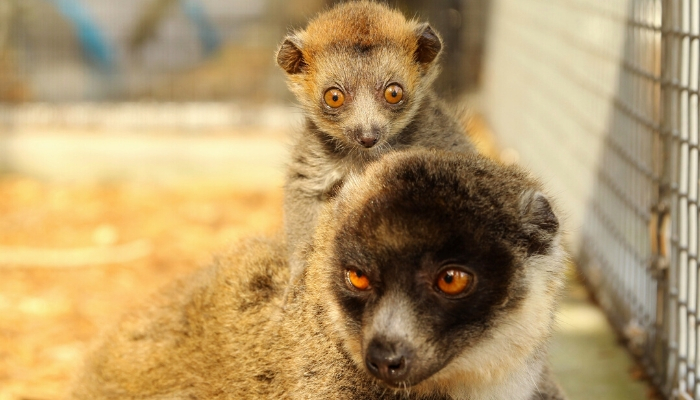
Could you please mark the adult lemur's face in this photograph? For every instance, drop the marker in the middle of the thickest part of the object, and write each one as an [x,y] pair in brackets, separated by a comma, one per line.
[434,255]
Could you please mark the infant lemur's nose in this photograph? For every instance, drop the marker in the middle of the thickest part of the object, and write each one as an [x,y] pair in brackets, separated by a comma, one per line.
[366,137]
[388,362]
[367,141]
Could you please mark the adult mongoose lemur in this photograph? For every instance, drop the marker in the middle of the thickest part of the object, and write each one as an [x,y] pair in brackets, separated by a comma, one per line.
[432,275]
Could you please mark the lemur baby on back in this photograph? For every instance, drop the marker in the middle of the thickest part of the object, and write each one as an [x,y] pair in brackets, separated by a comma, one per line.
[446,296]
[363,75]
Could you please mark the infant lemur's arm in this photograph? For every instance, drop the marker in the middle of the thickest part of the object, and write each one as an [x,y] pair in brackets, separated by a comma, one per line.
[363,75]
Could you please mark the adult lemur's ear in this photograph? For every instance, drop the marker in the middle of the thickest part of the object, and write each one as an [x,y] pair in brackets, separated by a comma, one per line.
[540,224]
[290,57]
[429,44]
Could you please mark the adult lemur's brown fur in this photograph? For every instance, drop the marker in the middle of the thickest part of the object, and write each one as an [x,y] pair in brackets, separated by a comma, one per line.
[360,49]
[224,334]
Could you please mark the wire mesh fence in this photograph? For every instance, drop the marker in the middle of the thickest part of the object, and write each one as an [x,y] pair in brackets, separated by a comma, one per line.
[681,32]
[601,98]
[161,50]
[187,50]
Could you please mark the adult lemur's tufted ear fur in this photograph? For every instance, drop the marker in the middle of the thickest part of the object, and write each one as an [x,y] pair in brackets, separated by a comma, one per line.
[429,44]
[540,223]
[290,57]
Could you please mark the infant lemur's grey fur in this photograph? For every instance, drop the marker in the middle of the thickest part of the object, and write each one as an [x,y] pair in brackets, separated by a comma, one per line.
[442,296]
[362,74]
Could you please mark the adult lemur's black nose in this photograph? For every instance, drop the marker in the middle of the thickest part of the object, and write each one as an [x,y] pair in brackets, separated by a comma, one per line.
[388,361]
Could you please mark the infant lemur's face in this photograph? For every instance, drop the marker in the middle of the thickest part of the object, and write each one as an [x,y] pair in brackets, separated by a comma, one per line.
[363,96]
[428,265]
[360,71]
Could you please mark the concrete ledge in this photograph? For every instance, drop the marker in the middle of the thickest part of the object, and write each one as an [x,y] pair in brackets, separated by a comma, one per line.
[237,144]
[249,161]
[148,116]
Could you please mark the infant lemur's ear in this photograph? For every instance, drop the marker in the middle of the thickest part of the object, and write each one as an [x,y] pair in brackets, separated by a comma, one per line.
[290,57]
[539,221]
[429,44]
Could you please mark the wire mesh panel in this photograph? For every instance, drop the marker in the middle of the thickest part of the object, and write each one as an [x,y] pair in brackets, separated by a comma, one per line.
[185,50]
[181,50]
[601,99]
[680,188]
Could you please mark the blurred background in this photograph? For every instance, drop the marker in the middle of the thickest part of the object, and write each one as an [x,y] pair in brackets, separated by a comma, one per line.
[138,138]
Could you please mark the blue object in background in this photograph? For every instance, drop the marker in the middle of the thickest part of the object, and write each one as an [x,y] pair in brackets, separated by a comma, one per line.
[208,35]
[95,46]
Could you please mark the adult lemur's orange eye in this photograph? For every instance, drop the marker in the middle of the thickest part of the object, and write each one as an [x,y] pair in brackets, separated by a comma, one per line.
[357,279]
[393,93]
[334,97]
[454,281]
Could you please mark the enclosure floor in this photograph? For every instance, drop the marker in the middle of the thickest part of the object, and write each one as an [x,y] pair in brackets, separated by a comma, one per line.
[586,355]
[53,304]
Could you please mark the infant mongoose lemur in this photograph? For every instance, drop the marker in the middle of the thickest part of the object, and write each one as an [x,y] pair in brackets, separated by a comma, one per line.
[432,275]
[363,75]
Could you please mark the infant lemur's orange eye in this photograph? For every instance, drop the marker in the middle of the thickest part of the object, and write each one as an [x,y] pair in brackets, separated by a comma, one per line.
[334,97]
[357,279]
[454,281]
[393,93]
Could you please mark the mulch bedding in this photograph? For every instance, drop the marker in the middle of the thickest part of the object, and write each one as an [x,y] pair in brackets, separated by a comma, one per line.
[50,309]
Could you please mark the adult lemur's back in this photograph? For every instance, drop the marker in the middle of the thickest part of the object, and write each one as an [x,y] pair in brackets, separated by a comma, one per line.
[363,75]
